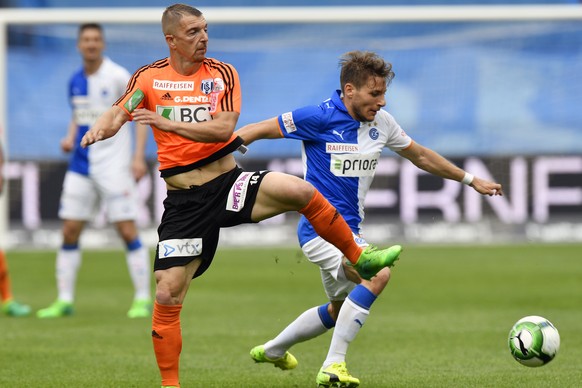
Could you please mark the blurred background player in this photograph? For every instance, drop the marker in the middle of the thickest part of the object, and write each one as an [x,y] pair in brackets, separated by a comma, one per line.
[105,174]
[10,307]
[342,139]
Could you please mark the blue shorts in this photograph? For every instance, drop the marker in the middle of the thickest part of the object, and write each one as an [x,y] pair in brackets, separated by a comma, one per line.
[192,218]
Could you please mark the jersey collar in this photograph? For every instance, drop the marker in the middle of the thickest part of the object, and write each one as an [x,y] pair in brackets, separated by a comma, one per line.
[337,101]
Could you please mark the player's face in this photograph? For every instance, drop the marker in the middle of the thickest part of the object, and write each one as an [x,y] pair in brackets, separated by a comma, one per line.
[191,38]
[91,44]
[366,101]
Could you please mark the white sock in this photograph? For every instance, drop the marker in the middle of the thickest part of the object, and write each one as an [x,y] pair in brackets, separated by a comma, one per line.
[138,263]
[67,266]
[306,326]
[349,322]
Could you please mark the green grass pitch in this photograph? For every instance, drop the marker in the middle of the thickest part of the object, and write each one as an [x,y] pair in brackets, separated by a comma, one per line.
[443,321]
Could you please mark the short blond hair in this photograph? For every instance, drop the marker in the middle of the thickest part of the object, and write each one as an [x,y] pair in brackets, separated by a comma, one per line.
[174,13]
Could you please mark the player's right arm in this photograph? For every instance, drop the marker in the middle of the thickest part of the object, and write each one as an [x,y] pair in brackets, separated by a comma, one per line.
[106,126]
[267,129]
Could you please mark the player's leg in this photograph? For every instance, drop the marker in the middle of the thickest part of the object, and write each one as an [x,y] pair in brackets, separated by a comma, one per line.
[280,193]
[316,320]
[119,193]
[10,307]
[188,238]
[171,287]
[350,320]
[138,264]
[67,267]
[78,204]
[310,324]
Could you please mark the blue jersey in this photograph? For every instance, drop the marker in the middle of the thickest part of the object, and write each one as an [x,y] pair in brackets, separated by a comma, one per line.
[340,154]
[90,96]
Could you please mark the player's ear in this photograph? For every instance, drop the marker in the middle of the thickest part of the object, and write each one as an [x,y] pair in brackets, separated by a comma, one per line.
[170,40]
[349,90]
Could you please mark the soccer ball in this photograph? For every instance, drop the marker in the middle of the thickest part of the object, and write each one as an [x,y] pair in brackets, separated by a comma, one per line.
[534,341]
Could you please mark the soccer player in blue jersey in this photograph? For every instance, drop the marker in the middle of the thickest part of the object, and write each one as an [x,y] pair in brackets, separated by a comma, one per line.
[105,173]
[342,139]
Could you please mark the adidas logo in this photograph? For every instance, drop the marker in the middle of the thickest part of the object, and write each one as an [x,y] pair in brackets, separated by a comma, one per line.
[167,96]
[156,335]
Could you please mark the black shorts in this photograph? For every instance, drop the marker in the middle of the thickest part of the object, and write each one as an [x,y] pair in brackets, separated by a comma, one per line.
[192,218]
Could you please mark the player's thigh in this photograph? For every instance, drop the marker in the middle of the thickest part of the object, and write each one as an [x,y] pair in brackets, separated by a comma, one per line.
[329,259]
[118,192]
[279,193]
[79,198]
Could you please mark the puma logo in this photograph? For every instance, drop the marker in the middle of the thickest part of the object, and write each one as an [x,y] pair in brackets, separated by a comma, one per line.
[341,135]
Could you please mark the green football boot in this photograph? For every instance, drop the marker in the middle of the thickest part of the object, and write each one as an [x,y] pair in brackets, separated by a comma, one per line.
[285,363]
[372,260]
[336,375]
[140,308]
[14,309]
[56,310]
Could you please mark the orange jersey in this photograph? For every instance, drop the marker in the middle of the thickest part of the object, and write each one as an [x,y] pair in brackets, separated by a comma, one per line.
[214,88]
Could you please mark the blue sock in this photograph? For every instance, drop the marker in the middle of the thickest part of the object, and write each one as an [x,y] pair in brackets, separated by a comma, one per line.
[326,319]
[70,247]
[362,297]
[133,245]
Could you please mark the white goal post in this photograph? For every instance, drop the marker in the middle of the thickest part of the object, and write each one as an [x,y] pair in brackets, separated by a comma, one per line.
[260,15]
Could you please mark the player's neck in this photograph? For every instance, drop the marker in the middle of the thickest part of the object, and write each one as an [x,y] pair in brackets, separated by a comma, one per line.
[185,68]
[349,107]
[91,67]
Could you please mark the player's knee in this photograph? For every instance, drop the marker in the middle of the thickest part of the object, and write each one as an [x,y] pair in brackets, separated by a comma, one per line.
[306,191]
[71,233]
[169,291]
[383,276]
[127,230]
[379,282]
[301,191]
[166,297]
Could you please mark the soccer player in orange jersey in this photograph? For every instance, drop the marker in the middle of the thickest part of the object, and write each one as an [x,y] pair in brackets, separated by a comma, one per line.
[192,104]
[10,307]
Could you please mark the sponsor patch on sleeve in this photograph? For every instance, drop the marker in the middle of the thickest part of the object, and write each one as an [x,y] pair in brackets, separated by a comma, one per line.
[134,100]
[288,122]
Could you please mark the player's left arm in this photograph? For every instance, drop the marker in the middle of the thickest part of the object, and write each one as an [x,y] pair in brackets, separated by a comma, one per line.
[432,162]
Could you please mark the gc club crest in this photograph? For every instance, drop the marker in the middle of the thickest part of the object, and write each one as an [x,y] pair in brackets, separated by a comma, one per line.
[206,86]
[374,134]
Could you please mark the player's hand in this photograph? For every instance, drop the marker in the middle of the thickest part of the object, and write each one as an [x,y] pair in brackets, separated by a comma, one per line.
[147,117]
[139,167]
[486,188]
[67,144]
[92,136]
